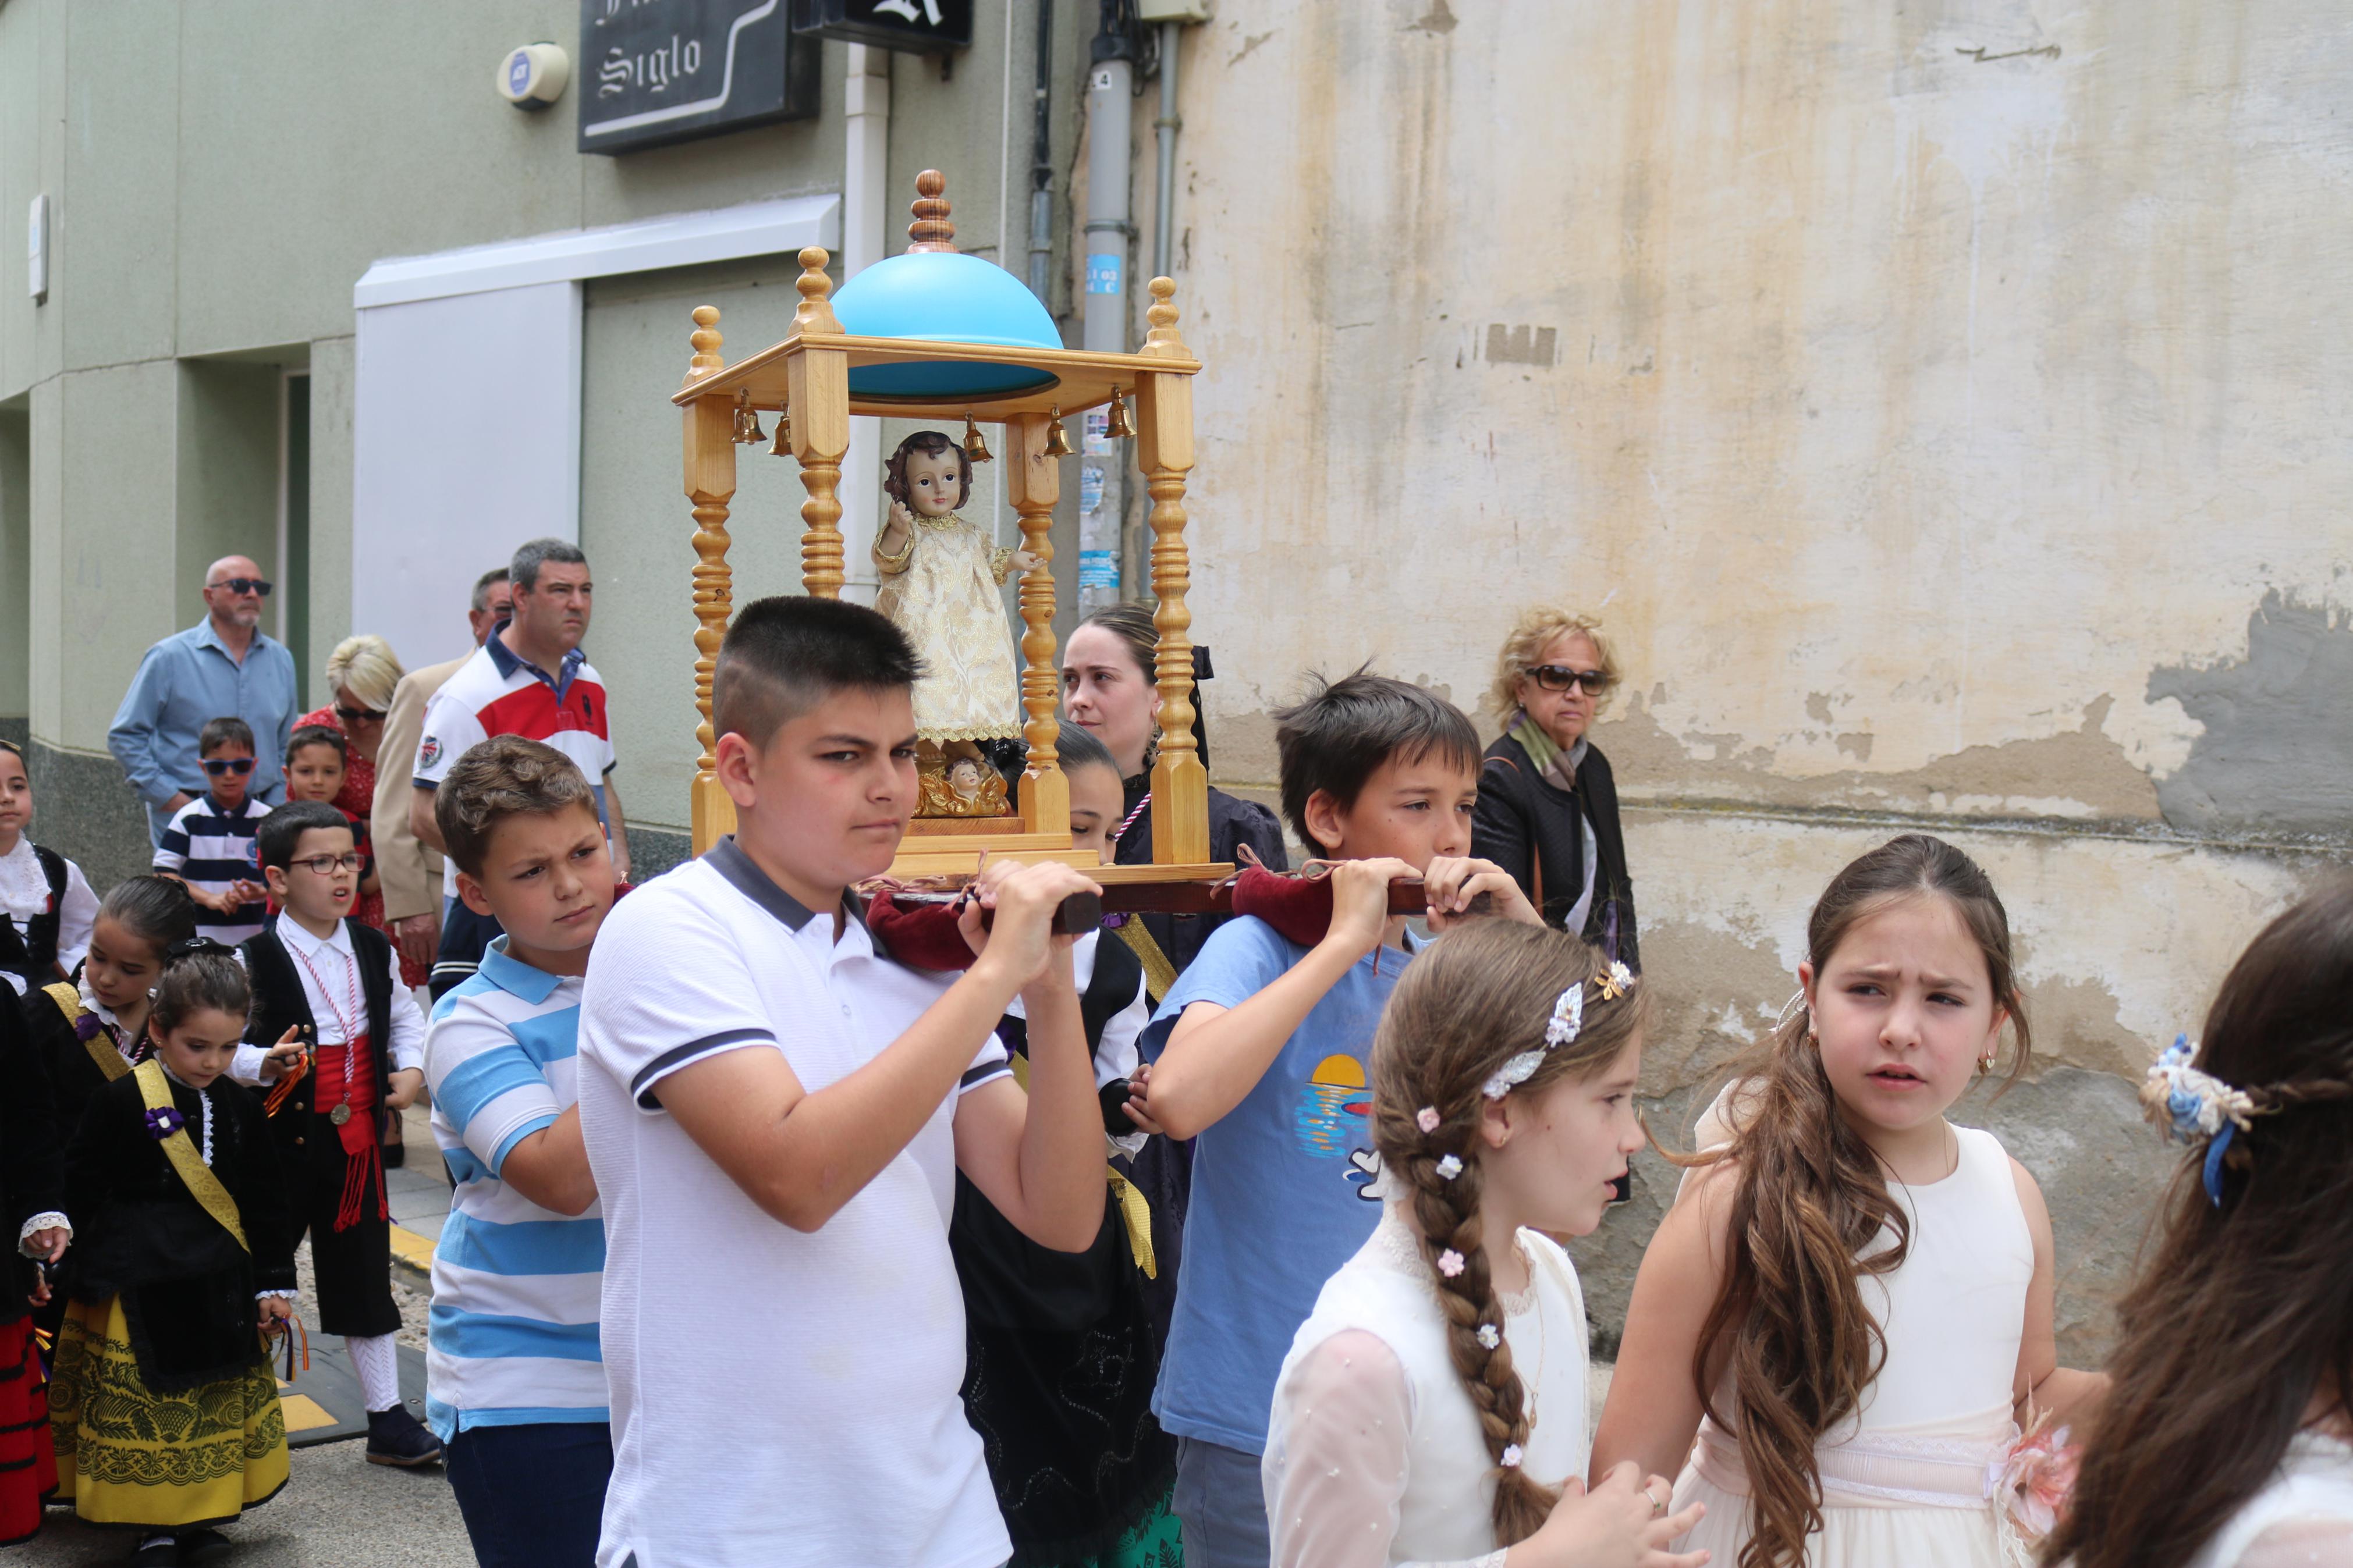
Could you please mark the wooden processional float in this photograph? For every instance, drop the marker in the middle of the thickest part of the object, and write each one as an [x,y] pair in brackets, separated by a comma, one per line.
[934,333]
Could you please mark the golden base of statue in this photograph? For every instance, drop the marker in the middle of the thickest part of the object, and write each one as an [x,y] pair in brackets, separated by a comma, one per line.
[955,780]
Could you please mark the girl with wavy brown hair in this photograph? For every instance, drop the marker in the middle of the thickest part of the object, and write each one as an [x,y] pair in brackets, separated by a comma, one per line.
[1850,1303]
[1431,1410]
[2228,1439]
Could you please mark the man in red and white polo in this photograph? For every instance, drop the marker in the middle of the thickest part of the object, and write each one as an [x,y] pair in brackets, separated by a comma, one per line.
[529,679]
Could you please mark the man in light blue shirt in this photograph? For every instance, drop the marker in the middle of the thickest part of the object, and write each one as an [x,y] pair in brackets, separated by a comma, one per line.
[223,667]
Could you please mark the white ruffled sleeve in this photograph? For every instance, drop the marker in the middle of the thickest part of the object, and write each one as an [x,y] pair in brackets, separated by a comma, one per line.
[1336,1457]
[2318,1543]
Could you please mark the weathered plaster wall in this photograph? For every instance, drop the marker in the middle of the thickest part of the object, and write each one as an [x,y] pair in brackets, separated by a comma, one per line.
[1938,403]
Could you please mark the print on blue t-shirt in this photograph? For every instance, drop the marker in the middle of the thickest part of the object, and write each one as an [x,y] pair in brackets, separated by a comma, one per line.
[1280,1185]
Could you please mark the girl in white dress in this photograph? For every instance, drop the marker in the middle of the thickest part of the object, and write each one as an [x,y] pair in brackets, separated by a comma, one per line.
[2227,1441]
[1431,1410]
[1851,1304]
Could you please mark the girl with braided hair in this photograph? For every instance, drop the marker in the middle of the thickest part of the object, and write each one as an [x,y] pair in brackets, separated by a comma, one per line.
[2227,1440]
[1431,1410]
[1851,1304]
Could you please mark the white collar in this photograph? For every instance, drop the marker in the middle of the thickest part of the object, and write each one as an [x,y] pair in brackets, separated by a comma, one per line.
[90,1004]
[294,934]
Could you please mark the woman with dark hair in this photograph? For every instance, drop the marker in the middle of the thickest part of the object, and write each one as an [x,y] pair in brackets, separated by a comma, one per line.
[1109,691]
[1547,802]
[2227,1437]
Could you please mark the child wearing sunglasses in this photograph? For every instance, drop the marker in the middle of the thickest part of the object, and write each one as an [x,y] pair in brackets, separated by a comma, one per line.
[209,843]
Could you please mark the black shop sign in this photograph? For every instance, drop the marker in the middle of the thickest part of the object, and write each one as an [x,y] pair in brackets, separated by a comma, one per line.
[916,26]
[657,71]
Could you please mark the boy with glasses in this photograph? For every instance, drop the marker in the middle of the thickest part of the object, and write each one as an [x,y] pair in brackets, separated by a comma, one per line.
[209,842]
[336,1044]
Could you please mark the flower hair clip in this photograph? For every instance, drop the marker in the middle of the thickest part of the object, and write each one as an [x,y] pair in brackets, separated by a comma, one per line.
[164,1120]
[1510,1457]
[1490,1336]
[1449,1167]
[2195,1104]
[1427,1119]
[1450,1263]
[1566,1023]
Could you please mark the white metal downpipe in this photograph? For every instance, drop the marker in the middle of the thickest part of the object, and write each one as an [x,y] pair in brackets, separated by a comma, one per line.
[1164,213]
[865,202]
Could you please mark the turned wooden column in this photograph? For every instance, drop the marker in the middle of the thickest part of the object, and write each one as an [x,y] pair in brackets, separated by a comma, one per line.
[710,460]
[1034,482]
[1163,428]
[818,384]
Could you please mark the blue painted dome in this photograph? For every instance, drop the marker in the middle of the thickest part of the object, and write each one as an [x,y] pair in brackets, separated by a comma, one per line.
[945,297]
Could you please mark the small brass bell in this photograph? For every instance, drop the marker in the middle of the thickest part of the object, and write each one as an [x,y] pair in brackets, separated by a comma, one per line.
[975,448]
[784,447]
[1119,429]
[1057,444]
[747,421]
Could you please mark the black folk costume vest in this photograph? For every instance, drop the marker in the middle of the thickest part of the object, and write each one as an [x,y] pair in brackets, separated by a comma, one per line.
[32,951]
[280,1004]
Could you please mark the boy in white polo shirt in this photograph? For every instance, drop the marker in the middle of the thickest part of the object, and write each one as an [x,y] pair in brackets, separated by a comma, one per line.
[775,1114]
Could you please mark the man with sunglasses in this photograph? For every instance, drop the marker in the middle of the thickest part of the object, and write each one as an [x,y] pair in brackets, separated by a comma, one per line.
[223,667]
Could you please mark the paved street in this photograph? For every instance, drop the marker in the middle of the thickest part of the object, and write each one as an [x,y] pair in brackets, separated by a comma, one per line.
[338,1511]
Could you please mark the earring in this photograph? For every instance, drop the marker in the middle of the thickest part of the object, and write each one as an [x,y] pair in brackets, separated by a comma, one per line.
[1984,1064]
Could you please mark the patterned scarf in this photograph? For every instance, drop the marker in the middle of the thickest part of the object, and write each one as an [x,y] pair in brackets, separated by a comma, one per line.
[1557,765]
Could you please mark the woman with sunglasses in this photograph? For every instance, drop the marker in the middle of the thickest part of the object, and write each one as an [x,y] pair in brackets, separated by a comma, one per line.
[1548,803]
[362,673]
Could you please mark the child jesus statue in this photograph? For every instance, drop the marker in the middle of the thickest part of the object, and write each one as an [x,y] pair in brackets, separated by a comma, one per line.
[940,582]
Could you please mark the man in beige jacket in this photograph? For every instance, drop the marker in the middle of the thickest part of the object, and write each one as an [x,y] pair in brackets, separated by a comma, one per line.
[409,870]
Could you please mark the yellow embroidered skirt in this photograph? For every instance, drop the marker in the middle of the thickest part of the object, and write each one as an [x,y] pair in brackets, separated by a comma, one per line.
[129,1455]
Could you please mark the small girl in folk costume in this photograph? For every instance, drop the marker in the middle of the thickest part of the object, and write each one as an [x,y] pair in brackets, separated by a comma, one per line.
[163,1408]
[1864,1289]
[941,577]
[2227,1438]
[32,1195]
[46,904]
[1431,1410]
[90,1032]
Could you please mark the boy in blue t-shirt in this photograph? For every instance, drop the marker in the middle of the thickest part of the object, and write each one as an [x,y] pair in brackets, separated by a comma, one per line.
[1261,1053]
[514,1376]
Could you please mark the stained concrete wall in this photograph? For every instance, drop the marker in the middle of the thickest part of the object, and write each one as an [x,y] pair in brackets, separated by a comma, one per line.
[1937,402]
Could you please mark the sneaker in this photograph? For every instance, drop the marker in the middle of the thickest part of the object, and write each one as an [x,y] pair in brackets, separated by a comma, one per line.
[396,1437]
[156,1551]
[204,1546]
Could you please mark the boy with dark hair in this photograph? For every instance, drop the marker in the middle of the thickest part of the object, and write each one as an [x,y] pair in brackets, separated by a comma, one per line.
[515,1385]
[330,1013]
[208,843]
[775,1113]
[1263,1051]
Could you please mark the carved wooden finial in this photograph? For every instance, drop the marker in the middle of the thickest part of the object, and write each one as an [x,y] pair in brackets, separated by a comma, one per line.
[931,230]
[705,339]
[1163,338]
[816,312]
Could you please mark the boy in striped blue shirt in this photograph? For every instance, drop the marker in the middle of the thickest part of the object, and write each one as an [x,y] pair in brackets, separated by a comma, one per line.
[514,1378]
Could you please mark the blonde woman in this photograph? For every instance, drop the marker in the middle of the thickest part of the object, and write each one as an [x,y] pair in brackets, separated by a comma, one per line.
[360,674]
[1548,803]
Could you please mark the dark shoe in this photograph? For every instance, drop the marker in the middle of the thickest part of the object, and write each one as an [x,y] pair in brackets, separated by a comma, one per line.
[161,1552]
[396,1437]
[204,1546]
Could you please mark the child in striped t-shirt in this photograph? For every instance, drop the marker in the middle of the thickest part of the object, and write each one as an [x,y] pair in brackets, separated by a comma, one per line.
[209,843]
[514,1377]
